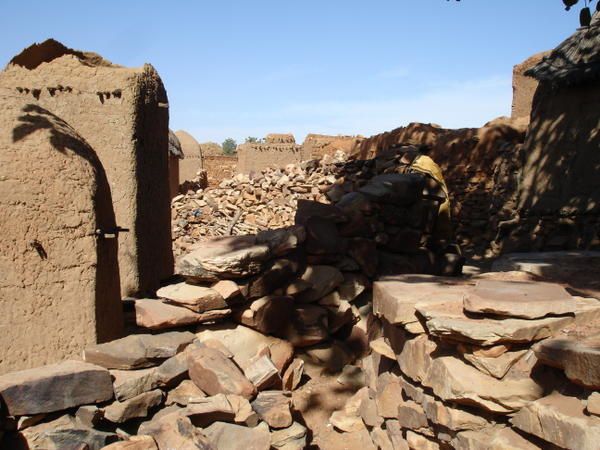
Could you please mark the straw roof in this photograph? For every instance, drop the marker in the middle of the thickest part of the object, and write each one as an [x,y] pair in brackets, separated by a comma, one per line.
[175,145]
[575,61]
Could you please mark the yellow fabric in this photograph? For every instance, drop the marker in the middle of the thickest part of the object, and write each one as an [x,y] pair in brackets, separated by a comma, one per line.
[425,165]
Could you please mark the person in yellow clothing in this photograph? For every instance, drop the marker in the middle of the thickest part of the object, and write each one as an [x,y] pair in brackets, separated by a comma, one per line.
[415,160]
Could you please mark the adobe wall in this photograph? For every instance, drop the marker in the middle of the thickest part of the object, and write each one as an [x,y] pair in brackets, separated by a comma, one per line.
[319,145]
[192,160]
[559,195]
[219,168]
[524,87]
[254,157]
[123,114]
[59,289]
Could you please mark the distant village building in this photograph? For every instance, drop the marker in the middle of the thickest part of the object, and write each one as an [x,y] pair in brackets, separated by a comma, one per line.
[192,162]
[277,151]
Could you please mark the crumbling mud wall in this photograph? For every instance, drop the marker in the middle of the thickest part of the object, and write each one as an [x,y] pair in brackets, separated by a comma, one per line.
[319,145]
[480,166]
[123,114]
[192,160]
[59,289]
[219,168]
[254,157]
[524,87]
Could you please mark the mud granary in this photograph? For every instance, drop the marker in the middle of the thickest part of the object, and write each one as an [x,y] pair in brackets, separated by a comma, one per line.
[84,156]
[192,160]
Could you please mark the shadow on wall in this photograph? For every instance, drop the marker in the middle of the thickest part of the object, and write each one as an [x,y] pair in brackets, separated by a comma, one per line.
[62,139]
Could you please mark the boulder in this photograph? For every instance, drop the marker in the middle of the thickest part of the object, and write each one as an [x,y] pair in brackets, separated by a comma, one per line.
[244,414]
[277,274]
[234,437]
[184,394]
[129,383]
[134,443]
[138,350]
[417,441]
[593,403]
[527,300]
[215,374]
[138,406]
[560,420]
[394,432]
[293,374]
[274,408]
[416,357]
[196,298]
[227,289]
[579,358]
[54,388]
[209,410]
[368,412]
[228,257]
[411,416]
[262,373]
[388,396]
[282,240]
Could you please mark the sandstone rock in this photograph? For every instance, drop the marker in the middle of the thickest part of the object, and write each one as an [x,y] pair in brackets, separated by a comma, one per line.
[217,345]
[380,346]
[262,373]
[308,326]
[291,438]
[579,358]
[388,396]
[54,387]
[234,437]
[89,416]
[283,240]
[496,366]
[349,419]
[267,314]
[527,300]
[412,391]
[244,414]
[352,286]
[492,438]
[156,315]
[177,432]
[381,439]
[453,380]
[448,320]
[227,289]
[419,442]
[209,410]
[245,343]
[394,432]
[394,298]
[129,383]
[274,408]
[296,287]
[138,350]
[184,394]
[374,365]
[293,374]
[411,415]
[276,274]
[415,360]
[196,298]
[395,188]
[323,279]
[171,371]
[134,443]
[368,412]
[307,209]
[226,258]
[214,374]
[593,403]
[451,416]
[322,237]
[138,406]
[560,420]
[364,252]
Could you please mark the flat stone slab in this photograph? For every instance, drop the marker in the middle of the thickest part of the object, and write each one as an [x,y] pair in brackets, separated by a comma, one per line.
[527,300]
[156,315]
[579,358]
[394,298]
[224,258]
[448,320]
[54,387]
[137,351]
[196,298]
[561,420]
[234,437]
[493,437]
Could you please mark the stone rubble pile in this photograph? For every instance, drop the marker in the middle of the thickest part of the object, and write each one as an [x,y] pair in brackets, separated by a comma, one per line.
[250,306]
[493,362]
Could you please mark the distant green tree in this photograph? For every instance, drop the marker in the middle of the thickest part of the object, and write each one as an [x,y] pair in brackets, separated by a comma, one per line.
[229,146]
[252,140]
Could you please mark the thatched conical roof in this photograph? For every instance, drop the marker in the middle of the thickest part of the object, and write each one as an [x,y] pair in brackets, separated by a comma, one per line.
[175,145]
[575,61]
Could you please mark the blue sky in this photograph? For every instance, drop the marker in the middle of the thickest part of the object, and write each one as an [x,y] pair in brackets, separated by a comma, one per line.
[247,68]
